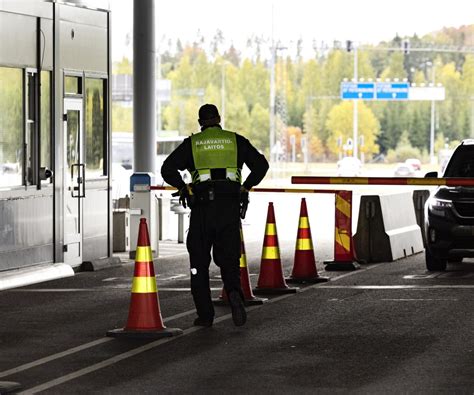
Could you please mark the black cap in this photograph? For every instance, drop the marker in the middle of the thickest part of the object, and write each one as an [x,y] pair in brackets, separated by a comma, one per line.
[208,111]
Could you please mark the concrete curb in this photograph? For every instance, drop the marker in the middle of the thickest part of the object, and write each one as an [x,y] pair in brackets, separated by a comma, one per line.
[33,275]
[8,386]
[101,264]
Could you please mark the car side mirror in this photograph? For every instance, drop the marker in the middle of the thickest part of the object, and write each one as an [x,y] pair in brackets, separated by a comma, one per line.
[431,174]
[45,173]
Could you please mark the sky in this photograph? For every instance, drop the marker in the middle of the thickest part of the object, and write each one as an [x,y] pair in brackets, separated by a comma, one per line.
[362,21]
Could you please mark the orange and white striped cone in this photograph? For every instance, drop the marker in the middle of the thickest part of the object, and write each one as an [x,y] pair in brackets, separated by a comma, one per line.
[249,298]
[304,267]
[344,255]
[271,280]
[144,316]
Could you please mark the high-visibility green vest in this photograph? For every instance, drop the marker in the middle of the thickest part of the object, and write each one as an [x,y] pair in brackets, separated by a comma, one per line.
[214,148]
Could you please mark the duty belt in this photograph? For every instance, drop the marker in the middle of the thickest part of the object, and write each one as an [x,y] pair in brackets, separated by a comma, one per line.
[211,194]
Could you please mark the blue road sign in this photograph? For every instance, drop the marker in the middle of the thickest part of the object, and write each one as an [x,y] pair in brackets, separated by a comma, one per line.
[377,91]
[392,90]
[357,90]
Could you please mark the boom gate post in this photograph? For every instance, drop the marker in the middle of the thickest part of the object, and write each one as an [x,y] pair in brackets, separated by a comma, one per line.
[344,257]
[143,205]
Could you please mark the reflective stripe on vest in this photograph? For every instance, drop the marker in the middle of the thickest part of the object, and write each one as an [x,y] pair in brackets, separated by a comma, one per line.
[214,148]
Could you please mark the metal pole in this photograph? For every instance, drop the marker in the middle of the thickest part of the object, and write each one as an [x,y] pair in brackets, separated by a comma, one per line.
[293,149]
[158,107]
[272,94]
[432,126]
[355,116]
[144,121]
[272,104]
[472,116]
[223,96]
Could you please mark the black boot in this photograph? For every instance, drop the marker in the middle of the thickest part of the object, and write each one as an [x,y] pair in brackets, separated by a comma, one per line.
[239,315]
[203,322]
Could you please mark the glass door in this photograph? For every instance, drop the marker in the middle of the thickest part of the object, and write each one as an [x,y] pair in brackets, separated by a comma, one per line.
[74,181]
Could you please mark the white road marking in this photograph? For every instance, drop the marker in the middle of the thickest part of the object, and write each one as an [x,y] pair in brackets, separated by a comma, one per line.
[50,358]
[74,350]
[139,350]
[420,276]
[421,300]
[117,286]
[55,290]
[164,289]
[173,277]
[110,279]
[414,287]
[110,361]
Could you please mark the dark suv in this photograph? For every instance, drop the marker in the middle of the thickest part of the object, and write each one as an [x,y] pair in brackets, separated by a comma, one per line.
[449,213]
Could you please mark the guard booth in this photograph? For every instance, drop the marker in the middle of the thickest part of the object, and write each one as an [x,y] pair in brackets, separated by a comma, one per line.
[55,181]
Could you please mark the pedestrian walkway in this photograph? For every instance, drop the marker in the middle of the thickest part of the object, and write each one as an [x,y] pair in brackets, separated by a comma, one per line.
[169,248]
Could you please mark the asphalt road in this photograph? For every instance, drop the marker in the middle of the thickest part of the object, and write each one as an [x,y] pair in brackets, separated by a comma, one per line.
[386,328]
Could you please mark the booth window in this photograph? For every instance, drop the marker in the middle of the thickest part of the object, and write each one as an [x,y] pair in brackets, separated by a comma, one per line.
[11,126]
[30,129]
[95,132]
[72,85]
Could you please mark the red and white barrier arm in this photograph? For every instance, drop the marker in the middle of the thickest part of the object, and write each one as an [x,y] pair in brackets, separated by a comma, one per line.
[453,182]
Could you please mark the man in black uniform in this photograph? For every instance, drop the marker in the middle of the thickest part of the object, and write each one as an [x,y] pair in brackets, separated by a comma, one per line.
[218,200]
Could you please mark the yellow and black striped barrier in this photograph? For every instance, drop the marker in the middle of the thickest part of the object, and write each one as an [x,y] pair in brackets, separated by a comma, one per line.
[450,181]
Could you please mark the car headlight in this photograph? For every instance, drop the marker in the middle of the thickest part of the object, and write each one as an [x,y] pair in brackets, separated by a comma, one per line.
[439,206]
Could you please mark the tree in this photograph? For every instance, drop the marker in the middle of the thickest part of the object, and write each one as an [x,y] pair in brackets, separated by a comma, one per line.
[395,67]
[419,126]
[294,132]
[403,150]
[216,42]
[393,121]
[308,90]
[340,125]
[253,84]
[451,111]
[337,67]
[237,116]
[122,118]
[259,133]
[123,67]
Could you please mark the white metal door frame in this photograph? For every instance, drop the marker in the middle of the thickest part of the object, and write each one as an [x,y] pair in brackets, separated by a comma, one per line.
[74,187]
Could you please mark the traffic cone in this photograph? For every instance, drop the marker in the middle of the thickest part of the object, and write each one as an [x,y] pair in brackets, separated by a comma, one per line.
[304,267]
[249,298]
[344,254]
[270,280]
[144,316]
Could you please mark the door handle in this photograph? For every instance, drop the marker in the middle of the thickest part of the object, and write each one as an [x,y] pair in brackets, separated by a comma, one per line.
[82,166]
[79,181]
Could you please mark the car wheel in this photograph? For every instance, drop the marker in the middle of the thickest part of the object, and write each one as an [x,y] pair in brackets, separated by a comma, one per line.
[434,264]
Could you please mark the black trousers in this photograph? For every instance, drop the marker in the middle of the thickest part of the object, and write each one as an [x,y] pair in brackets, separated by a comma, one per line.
[213,225]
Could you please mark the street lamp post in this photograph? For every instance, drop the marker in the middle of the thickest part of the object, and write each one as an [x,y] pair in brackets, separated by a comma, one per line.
[158,101]
[224,64]
[432,125]
[272,102]
[355,116]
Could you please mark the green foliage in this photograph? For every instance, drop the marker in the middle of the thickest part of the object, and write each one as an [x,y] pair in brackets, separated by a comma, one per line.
[123,67]
[308,92]
[94,124]
[259,121]
[122,120]
[340,125]
[403,150]
[11,119]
